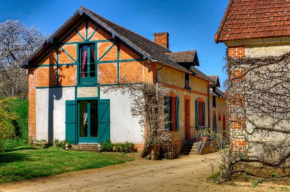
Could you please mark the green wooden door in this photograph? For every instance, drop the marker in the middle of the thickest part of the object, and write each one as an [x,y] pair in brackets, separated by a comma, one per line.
[88,128]
[71,122]
[104,119]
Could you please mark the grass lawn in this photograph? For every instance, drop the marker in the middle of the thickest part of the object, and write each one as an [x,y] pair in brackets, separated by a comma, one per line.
[29,162]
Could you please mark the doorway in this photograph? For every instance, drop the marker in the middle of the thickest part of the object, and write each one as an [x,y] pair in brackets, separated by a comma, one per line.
[88,121]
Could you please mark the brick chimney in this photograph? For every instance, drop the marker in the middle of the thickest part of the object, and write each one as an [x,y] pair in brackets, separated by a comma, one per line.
[162,39]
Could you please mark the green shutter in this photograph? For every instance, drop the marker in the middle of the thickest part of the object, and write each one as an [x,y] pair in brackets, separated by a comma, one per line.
[177,113]
[203,113]
[167,112]
[71,122]
[197,114]
[104,119]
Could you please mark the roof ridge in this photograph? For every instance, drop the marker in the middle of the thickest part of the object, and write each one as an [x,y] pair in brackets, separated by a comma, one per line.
[181,51]
[124,28]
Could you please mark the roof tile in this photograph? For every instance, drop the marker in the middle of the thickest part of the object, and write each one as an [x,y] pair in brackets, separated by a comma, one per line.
[246,19]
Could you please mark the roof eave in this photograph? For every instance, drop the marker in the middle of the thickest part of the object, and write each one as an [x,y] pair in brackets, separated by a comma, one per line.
[217,35]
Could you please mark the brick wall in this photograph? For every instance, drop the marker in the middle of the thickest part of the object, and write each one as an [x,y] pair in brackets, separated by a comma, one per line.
[31,104]
[237,100]
[162,39]
[236,52]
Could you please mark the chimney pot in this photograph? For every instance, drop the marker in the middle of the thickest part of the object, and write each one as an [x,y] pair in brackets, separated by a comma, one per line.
[162,39]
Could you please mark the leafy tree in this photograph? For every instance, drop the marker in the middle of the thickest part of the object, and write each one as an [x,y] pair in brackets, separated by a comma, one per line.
[6,116]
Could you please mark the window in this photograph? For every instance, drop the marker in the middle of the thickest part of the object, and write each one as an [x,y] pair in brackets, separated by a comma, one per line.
[199,113]
[172,112]
[186,81]
[214,122]
[87,64]
[214,101]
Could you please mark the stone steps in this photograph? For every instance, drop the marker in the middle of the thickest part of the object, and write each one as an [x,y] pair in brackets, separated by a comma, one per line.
[86,147]
[190,148]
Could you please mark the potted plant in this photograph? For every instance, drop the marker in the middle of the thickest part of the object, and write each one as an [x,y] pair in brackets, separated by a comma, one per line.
[203,135]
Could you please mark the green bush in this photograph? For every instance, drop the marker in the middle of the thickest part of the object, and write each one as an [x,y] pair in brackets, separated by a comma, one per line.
[12,143]
[61,144]
[107,146]
[20,108]
[6,117]
[126,147]
[13,122]
[118,147]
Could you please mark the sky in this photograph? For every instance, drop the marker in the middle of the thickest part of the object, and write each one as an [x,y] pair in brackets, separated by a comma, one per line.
[191,24]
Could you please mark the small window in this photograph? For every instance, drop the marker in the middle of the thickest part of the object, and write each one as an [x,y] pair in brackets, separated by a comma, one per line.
[87,64]
[214,101]
[186,83]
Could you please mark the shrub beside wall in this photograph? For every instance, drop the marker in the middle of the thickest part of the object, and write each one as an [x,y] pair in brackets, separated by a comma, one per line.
[126,147]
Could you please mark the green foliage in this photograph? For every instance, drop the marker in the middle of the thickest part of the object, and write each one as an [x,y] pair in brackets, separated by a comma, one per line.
[61,144]
[255,183]
[245,176]
[28,162]
[11,143]
[284,189]
[107,146]
[6,116]
[126,147]
[20,108]
[13,122]
[214,177]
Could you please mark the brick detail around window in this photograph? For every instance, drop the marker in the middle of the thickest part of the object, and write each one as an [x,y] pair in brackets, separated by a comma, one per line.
[236,123]
[236,100]
[237,75]
[236,52]
[239,142]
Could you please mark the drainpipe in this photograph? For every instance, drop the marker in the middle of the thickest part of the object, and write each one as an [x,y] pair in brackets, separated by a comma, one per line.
[208,106]
[157,92]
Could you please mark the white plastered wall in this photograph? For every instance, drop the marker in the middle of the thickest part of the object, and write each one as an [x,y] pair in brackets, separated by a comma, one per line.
[124,127]
[265,51]
[50,111]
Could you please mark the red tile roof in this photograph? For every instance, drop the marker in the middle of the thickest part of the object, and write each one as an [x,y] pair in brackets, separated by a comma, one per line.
[248,19]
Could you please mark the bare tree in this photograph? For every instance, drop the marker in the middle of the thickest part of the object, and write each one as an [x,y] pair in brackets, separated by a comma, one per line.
[258,117]
[152,116]
[17,42]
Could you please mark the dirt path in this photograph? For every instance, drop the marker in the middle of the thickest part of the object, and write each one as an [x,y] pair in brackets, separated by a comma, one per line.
[184,174]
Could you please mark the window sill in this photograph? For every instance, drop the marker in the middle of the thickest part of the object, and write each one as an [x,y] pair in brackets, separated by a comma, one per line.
[88,85]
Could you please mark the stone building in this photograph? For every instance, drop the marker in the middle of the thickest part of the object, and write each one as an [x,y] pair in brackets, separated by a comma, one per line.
[257,29]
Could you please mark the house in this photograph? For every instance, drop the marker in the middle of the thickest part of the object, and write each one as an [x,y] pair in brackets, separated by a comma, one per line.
[69,72]
[253,29]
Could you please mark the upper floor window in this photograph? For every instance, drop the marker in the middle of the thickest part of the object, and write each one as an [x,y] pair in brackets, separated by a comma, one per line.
[186,82]
[87,64]
[214,101]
